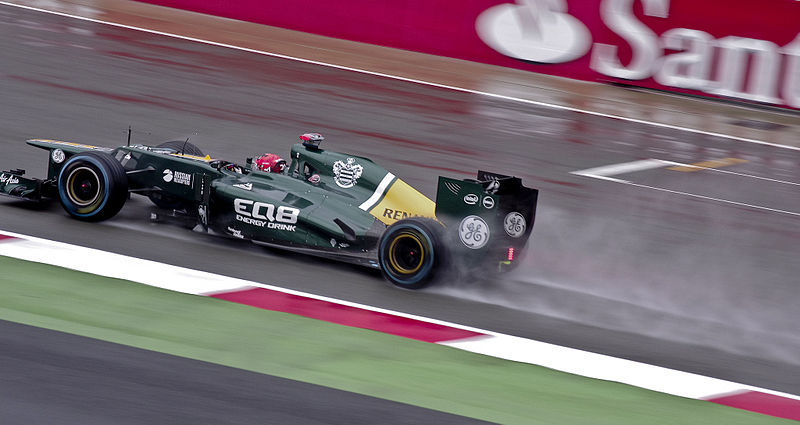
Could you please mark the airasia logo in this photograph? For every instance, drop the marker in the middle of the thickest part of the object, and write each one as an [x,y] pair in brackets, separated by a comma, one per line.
[543,31]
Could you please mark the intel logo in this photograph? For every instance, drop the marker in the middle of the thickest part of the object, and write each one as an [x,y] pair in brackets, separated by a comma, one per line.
[471,199]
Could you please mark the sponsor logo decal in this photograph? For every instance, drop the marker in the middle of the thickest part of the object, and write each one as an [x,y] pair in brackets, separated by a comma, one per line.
[58,156]
[346,174]
[471,199]
[514,224]
[473,232]
[177,177]
[9,179]
[236,233]
[753,69]
[263,214]
[245,186]
[534,30]
[452,187]
[488,202]
[395,214]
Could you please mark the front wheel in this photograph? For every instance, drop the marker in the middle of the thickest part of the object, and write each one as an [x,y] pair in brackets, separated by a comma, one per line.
[92,186]
[411,251]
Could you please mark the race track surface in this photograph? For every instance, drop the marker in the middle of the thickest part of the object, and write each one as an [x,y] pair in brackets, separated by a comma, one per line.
[62,378]
[690,269]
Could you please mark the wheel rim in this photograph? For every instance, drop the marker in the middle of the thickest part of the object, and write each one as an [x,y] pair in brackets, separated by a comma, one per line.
[407,253]
[83,186]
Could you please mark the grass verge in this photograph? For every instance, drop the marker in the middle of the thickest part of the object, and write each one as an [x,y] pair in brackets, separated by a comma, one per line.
[357,360]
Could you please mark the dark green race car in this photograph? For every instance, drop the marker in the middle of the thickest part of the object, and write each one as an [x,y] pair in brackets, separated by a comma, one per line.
[326,203]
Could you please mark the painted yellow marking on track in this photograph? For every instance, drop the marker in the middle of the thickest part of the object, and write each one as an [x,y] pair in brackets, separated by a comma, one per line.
[716,163]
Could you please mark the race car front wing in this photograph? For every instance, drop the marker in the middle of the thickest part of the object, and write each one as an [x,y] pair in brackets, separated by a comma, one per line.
[14,184]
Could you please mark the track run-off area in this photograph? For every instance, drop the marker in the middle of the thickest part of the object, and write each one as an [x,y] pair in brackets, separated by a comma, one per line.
[423,329]
[658,248]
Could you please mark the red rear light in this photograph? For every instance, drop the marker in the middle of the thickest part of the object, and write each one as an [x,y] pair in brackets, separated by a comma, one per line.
[511,253]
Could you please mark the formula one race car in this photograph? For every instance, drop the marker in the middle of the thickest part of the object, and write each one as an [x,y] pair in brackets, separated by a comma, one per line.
[325,203]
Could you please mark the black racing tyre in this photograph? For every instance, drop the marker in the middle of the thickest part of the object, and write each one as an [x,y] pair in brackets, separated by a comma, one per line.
[181,146]
[163,200]
[92,186]
[411,251]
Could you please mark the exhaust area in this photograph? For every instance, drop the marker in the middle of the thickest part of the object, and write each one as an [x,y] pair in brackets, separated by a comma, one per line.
[701,281]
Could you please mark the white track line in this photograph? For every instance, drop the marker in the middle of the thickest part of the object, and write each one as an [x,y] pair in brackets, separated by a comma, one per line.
[717,170]
[412,80]
[494,344]
[604,172]
[598,366]
[622,168]
[165,276]
[709,198]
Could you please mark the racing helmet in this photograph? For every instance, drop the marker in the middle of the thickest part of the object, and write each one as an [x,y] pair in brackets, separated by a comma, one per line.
[311,140]
[270,163]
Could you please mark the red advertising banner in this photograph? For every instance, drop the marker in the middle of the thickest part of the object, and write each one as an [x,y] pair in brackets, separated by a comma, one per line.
[740,49]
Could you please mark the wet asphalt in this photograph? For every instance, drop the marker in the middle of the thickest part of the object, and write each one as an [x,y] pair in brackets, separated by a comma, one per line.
[695,271]
[51,377]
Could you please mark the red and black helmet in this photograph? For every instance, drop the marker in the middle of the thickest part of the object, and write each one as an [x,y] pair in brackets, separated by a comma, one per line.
[311,140]
[270,163]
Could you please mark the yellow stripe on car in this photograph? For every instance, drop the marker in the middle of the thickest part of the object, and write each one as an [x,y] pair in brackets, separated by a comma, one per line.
[195,157]
[59,142]
[403,201]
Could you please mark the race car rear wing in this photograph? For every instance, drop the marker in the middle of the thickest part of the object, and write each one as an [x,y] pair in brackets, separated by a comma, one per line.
[493,214]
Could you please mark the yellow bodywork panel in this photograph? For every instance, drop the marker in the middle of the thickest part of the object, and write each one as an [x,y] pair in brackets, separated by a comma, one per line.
[403,201]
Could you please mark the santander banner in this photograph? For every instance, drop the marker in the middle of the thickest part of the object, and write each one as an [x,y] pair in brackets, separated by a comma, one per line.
[738,49]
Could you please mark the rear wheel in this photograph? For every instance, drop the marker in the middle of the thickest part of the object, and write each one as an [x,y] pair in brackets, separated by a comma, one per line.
[163,200]
[411,252]
[92,186]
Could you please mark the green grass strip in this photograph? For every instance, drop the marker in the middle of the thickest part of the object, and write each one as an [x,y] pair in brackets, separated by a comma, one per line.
[357,360]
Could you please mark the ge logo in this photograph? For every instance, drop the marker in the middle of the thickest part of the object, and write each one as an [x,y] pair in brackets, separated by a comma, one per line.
[58,156]
[514,224]
[473,232]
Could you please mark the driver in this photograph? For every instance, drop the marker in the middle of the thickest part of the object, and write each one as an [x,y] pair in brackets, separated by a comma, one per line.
[270,163]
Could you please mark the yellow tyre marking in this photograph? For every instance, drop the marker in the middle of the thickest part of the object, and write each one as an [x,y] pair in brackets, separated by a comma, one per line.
[392,253]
